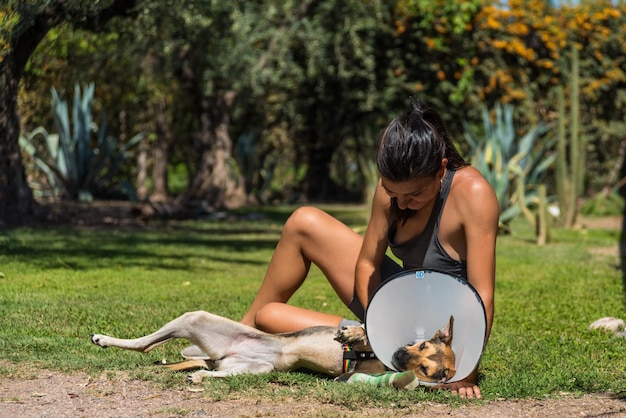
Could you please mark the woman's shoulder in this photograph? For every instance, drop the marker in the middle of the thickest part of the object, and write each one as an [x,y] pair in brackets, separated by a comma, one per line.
[471,188]
[469,176]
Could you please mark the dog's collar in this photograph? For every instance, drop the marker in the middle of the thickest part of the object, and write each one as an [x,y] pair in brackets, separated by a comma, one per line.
[349,355]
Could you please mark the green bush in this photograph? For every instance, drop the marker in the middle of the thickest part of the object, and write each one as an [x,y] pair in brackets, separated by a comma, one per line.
[81,162]
[514,166]
[603,204]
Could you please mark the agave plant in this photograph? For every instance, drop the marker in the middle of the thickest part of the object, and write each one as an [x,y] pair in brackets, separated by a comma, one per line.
[84,160]
[514,166]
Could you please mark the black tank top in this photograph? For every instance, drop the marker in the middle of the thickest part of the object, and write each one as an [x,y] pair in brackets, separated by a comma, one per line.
[425,251]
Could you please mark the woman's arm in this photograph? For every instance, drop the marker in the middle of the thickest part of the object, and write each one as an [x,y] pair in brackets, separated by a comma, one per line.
[367,273]
[478,207]
[479,216]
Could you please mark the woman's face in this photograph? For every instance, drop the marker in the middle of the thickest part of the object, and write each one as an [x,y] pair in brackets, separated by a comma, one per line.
[416,193]
[413,194]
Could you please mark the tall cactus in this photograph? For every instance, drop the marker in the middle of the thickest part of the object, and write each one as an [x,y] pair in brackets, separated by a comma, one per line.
[570,171]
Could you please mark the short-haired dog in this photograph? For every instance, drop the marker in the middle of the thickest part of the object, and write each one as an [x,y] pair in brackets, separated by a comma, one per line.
[431,360]
[228,347]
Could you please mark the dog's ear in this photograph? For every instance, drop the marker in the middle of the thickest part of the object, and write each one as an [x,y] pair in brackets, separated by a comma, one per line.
[445,334]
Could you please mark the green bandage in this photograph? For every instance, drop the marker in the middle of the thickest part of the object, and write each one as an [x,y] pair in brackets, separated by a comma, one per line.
[399,380]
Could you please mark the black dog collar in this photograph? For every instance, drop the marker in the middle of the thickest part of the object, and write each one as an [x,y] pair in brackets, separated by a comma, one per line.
[350,355]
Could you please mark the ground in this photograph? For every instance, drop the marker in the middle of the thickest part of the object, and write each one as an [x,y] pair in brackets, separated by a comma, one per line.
[55,394]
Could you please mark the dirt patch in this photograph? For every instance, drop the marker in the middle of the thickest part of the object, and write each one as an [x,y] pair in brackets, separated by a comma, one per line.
[55,394]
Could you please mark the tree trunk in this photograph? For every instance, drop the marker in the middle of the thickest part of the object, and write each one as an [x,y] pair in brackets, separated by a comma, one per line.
[212,183]
[160,152]
[317,182]
[17,203]
[142,171]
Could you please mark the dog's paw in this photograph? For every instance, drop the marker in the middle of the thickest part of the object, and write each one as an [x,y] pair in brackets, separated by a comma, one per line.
[351,334]
[197,377]
[99,340]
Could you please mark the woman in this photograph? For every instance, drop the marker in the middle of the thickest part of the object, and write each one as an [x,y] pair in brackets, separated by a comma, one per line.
[430,207]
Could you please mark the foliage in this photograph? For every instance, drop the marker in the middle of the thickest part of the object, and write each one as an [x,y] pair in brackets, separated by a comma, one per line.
[324,75]
[9,19]
[444,30]
[27,25]
[513,166]
[74,166]
[604,204]
[316,81]
[523,54]
[119,87]
[60,285]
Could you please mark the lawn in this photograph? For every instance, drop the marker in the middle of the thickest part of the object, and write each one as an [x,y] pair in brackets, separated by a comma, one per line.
[60,284]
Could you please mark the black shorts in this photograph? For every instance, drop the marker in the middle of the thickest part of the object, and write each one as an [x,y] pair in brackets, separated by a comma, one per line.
[387,269]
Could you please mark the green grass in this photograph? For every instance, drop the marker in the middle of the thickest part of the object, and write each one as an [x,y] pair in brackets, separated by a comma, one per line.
[60,285]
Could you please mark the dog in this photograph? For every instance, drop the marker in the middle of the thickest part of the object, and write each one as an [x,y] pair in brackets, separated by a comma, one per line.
[432,360]
[226,347]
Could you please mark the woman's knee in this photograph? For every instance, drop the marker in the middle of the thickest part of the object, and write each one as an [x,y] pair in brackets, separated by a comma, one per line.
[303,219]
[269,316]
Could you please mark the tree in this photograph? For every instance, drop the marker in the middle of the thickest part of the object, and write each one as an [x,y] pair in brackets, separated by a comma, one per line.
[23,26]
[198,49]
[325,74]
[524,57]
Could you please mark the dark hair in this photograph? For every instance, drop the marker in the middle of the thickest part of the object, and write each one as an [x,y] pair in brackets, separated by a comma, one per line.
[413,146]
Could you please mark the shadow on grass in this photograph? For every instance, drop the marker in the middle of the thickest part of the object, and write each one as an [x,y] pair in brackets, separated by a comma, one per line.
[86,236]
[172,247]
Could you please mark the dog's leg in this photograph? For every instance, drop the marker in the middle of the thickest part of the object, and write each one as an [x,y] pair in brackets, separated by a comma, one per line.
[212,333]
[231,367]
[197,377]
[143,344]
[176,328]
[352,334]
[194,353]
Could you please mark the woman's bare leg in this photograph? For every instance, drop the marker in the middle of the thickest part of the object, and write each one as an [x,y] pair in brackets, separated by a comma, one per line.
[309,236]
[278,317]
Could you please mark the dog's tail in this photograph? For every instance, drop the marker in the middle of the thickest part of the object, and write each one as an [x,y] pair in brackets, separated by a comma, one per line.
[194,352]
[186,364]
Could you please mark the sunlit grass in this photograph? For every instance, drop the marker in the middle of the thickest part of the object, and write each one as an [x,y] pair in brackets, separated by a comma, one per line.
[60,285]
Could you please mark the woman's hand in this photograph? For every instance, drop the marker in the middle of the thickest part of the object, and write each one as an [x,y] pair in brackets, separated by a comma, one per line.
[466,388]
[463,388]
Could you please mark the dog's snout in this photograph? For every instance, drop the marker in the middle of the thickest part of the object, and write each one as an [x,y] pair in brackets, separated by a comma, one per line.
[400,359]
